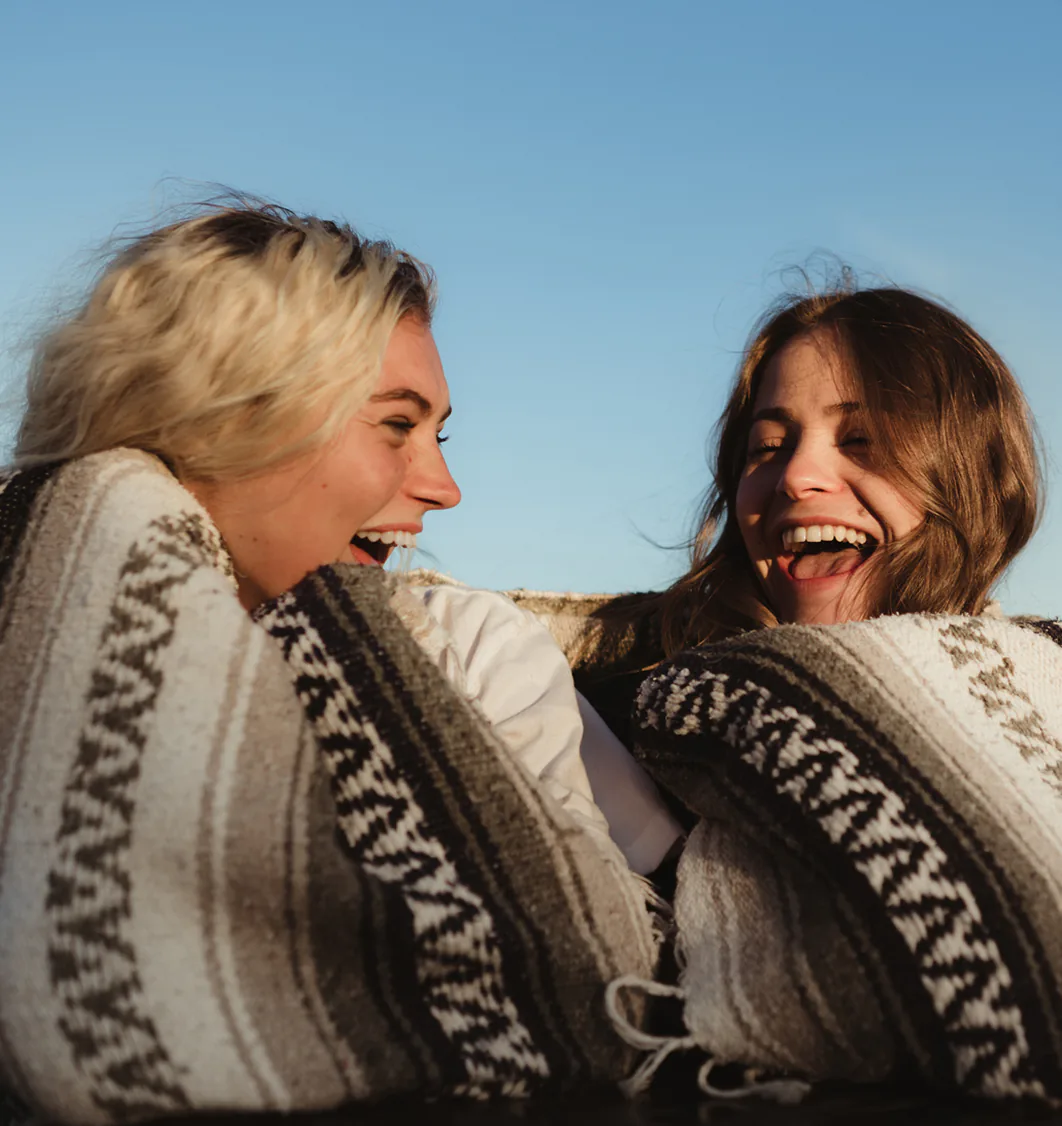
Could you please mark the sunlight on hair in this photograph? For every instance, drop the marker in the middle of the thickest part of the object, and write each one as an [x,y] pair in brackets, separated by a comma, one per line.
[225,342]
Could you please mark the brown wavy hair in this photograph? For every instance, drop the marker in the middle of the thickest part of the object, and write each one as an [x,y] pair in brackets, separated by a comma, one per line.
[948,424]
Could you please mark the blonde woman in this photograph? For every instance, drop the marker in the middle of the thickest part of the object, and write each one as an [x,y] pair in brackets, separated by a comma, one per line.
[209,714]
[284,370]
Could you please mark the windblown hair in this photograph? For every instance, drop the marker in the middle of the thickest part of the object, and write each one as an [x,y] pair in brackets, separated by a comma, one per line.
[225,343]
[947,424]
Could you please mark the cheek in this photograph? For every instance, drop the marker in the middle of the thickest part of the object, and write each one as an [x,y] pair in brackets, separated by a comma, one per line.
[902,514]
[748,509]
[380,480]
[911,516]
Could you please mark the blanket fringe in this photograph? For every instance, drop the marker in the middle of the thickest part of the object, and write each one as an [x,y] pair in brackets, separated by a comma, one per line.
[661,912]
[786,1092]
[660,1046]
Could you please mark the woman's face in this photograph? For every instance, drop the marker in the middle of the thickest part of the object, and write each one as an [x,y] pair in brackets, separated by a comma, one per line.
[810,504]
[376,481]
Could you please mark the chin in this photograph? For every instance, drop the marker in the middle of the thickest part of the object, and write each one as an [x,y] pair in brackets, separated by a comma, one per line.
[824,611]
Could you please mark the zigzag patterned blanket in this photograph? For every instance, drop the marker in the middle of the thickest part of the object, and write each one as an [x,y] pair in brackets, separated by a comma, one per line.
[272,864]
[875,888]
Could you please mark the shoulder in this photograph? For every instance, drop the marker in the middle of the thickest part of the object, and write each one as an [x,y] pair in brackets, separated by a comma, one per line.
[493,642]
[468,609]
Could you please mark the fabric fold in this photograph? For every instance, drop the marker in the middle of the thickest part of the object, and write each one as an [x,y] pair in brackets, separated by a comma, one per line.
[876,888]
[273,865]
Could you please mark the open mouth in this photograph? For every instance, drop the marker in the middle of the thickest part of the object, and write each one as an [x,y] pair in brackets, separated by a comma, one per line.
[823,551]
[379,545]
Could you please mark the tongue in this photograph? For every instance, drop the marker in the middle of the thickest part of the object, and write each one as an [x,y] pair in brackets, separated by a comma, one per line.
[360,555]
[821,564]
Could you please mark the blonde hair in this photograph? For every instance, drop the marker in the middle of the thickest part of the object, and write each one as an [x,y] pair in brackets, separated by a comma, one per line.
[225,343]
[946,419]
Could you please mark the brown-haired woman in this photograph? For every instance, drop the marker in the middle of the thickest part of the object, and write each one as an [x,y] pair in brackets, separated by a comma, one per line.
[853,787]
[876,456]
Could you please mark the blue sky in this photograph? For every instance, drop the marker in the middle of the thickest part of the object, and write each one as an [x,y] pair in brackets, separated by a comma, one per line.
[610,193]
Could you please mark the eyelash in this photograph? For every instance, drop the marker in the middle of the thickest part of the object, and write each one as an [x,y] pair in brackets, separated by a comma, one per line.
[770,445]
[406,426]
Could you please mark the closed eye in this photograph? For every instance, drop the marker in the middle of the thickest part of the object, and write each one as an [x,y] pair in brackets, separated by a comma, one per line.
[767,446]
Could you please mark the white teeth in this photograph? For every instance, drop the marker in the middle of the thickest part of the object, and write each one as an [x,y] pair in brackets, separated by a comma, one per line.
[793,539]
[399,539]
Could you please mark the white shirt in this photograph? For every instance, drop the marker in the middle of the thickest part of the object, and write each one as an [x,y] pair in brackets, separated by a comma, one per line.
[505,660]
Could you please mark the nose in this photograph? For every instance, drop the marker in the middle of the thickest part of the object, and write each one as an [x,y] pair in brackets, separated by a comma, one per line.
[430,479]
[811,468]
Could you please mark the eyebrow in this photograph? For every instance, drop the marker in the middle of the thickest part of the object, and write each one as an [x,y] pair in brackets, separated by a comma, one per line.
[780,414]
[407,394]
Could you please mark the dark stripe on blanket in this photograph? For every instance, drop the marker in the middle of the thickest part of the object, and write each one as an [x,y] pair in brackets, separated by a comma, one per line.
[391,958]
[737,792]
[968,862]
[349,704]
[302,975]
[1052,630]
[420,741]
[19,493]
[809,696]
[1034,988]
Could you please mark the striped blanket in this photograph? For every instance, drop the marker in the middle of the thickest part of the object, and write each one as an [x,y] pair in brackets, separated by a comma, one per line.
[874,889]
[271,864]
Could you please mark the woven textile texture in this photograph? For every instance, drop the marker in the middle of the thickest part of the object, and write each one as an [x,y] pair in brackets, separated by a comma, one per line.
[271,864]
[875,887]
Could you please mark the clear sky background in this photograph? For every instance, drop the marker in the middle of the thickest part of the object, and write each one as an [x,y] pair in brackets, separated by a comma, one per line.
[609,192]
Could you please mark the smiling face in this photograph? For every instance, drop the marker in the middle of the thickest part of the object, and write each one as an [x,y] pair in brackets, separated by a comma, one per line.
[810,504]
[410,405]
[376,480]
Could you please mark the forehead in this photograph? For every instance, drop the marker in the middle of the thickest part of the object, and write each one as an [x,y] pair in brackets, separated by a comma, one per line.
[411,362]
[806,377]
